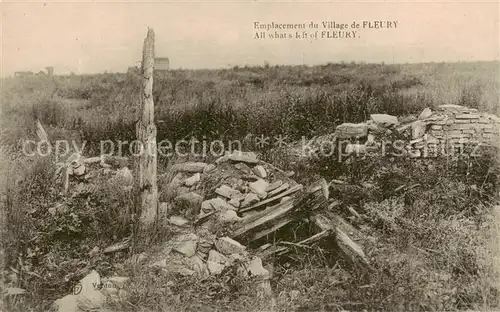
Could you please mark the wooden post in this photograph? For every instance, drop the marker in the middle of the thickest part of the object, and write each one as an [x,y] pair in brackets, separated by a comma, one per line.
[146,135]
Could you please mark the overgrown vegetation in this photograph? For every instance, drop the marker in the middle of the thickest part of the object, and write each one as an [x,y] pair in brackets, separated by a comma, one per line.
[431,240]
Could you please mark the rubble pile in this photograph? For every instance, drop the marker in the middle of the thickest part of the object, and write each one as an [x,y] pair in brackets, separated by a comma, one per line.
[422,136]
[218,209]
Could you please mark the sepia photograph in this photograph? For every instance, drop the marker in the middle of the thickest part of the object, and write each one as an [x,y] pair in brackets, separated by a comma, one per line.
[249,156]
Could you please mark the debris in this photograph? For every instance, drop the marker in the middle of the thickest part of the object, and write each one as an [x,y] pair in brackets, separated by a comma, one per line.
[271,199]
[426,113]
[384,120]
[259,188]
[178,221]
[228,246]
[417,129]
[191,167]
[250,199]
[228,192]
[260,171]
[351,130]
[246,157]
[186,244]
[209,168]
[193,179]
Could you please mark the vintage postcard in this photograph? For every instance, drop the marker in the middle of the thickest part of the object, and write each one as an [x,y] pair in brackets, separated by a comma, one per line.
[249,156]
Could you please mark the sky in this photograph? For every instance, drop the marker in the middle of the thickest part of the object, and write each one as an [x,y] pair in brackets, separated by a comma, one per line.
[92,37]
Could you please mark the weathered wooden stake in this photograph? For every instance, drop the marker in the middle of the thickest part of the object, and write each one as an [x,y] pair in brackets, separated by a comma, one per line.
[146,134]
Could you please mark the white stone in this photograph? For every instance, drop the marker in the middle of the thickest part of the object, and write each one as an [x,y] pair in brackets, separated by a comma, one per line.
[260,171]
[217,204]
[178,221]
[384,120]
[256,269]
[209,168]
[228,192]
[259,187]
[186,244]
[250,199]
[246,157]
[228,246]
[417,129]
[229,216]
[235,202]
[192,167]
[426,113]
[350,130]
[192,180]
[214,267]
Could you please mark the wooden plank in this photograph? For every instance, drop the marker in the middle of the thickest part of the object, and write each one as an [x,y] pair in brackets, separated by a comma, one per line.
[343,233]
[269,200]
[268,217]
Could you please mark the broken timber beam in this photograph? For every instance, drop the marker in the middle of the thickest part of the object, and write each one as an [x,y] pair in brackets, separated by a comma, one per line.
[292,190]
[275,217]
[342,229]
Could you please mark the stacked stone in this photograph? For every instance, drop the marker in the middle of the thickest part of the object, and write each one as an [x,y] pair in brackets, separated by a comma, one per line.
[457,126]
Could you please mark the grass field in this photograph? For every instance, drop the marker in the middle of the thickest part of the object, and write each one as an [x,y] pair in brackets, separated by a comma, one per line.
[434,247]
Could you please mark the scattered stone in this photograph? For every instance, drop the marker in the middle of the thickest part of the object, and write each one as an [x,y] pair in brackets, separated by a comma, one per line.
[417,129]
[243,167]
[192,167]
[228,192]
[426,113]
[192,180]
[217,204]
[214,267]
[198,265]
[216,262]
[246,157]
[235,202]
[229,216]
[260,171]
[351,130]
[228,246]
[384,120]
[186,244]
[250,199]
[274,185]
[190,200]
[256,269]
[259,188]
[209,168]
[407,119]
[177,220]
[221,160]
